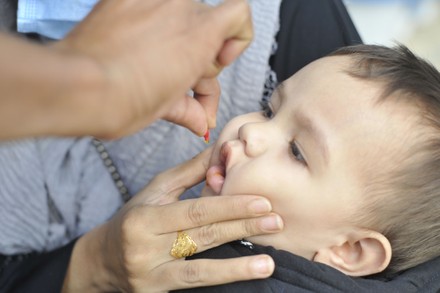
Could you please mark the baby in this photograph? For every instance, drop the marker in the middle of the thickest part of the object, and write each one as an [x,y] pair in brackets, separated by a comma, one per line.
[348,152]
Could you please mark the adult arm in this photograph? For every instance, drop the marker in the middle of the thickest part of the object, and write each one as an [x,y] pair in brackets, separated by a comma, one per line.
[131,252]
[126,65]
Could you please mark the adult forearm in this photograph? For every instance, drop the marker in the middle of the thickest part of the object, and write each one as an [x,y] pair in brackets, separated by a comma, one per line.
[45,91]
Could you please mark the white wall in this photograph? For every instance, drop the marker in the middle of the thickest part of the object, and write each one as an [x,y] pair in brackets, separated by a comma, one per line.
[415,23]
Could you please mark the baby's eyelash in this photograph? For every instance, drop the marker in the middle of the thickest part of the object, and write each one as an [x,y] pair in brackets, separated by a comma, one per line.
[266,109]
[267,112]
[297,155]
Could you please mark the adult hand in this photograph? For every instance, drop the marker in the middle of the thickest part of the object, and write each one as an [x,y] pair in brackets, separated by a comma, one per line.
[131,253]
[127,64]
[153,52]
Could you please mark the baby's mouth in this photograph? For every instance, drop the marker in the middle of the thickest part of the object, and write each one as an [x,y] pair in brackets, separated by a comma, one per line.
[216,174]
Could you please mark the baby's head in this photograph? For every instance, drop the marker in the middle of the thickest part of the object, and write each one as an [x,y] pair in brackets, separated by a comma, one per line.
[348,153]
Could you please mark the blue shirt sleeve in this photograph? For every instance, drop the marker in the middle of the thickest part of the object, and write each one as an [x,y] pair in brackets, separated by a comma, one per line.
[51,18]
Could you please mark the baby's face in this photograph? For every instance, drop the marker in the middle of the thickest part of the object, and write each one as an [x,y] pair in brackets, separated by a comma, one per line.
[311,154]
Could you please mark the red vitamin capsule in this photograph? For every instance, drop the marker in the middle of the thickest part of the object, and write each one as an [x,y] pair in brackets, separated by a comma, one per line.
[206,136]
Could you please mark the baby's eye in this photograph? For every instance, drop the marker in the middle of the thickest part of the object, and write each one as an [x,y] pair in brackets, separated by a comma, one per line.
[266,109]
[297,153]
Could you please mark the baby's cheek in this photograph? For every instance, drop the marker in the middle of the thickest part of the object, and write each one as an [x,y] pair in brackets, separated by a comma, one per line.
[243,181]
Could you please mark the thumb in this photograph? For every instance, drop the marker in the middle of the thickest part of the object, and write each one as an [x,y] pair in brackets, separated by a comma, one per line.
[177,180]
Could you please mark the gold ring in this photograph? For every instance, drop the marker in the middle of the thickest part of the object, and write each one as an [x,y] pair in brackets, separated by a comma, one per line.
[183,246]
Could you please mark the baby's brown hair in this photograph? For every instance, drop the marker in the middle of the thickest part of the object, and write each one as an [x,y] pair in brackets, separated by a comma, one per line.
[404,204]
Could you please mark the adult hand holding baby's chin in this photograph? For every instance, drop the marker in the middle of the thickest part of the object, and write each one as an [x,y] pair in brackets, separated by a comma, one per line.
[131,253]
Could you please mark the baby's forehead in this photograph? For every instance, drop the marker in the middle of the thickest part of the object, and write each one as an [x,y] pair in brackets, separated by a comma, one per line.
[343,73]
[325,69]
[380,147]
[325,79]
[325,66]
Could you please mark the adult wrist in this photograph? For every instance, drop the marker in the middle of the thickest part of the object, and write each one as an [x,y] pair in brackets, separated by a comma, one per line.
[81,107]
[87,270]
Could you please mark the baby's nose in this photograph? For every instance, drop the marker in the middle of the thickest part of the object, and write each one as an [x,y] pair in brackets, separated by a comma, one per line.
[255,138]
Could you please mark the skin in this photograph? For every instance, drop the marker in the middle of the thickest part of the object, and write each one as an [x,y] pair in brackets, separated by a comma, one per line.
[111,75]
[317,186]
[131,252]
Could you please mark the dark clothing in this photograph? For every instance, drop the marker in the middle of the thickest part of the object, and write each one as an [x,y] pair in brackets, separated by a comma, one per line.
[35,273]
[310,29]
[8,15]
[297,274]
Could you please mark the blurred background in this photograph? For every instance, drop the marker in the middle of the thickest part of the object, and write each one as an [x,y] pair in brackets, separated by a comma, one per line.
[414,23]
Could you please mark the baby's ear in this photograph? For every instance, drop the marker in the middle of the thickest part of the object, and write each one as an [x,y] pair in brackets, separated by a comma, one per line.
[363,253]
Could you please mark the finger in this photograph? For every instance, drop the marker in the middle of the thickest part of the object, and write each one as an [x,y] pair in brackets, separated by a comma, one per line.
[207,93]
[197,113]
[210,236]
[176,180]
[192,213]
[213,235]
[209,272]
[236,18]
[189,113]
[231,49]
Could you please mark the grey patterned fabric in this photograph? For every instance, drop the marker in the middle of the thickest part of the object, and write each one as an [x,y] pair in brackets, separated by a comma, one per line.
[53,190]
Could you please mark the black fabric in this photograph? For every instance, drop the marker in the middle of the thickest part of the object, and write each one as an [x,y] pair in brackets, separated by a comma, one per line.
[310,29]
[8,13]
[296,274]
[37,273]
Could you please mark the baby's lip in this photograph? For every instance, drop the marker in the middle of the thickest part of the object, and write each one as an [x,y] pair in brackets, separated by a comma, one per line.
[225,154]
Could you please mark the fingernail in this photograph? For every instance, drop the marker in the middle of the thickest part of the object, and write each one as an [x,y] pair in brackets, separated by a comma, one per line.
[263,266]
[260,206]
[206,136]
[272,223]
